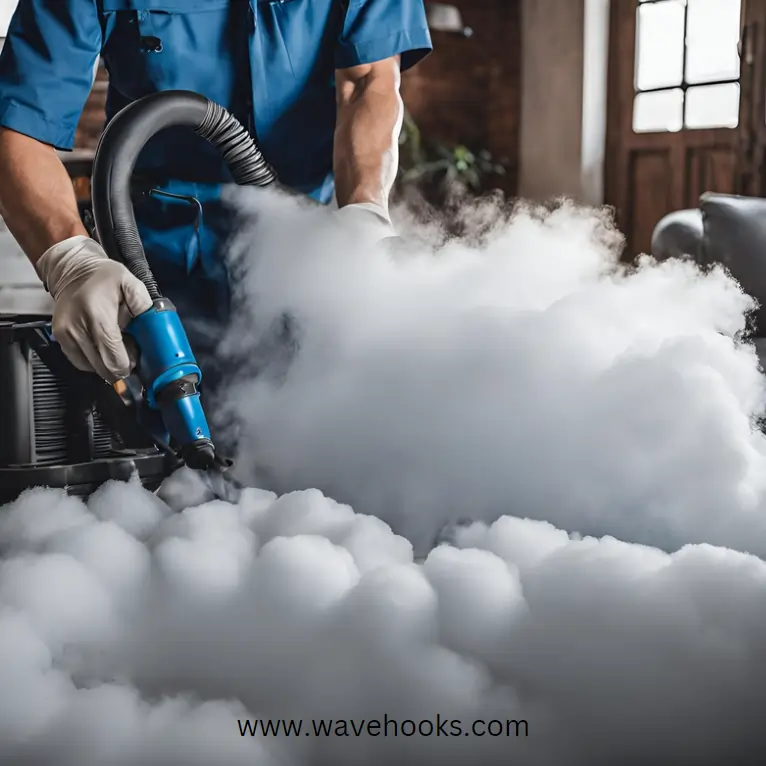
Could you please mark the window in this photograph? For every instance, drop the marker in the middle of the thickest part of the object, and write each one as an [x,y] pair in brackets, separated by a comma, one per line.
[687,65]
[7,7]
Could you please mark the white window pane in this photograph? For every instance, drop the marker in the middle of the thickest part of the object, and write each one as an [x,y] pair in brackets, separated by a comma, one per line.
[659,112]
[713,106]
[660,44]
[711,39]
[7,7]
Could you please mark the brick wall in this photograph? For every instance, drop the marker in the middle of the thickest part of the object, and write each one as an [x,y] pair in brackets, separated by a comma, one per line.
[93,115]
[469,89]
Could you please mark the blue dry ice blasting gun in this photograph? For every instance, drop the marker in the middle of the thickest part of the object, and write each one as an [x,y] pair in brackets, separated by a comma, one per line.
[168,372]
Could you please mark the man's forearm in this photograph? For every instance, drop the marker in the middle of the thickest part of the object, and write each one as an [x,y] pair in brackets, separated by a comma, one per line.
[37,200]
[369,119]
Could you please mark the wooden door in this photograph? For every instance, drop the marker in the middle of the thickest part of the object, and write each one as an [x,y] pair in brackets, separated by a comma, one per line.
[681,106]
[751,178]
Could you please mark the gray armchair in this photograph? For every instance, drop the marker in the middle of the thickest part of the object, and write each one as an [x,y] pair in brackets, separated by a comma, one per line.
[725,229]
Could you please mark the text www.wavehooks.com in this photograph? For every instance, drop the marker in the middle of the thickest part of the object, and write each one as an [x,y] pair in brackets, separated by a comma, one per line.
[388,727]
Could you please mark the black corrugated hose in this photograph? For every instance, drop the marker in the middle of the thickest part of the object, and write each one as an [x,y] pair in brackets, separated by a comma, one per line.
[240,152]
[119,147]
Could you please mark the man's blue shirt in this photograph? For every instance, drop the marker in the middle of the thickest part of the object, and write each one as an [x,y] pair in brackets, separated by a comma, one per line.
[270,62]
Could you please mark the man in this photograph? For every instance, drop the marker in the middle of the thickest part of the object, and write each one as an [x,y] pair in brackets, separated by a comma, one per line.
[316,81]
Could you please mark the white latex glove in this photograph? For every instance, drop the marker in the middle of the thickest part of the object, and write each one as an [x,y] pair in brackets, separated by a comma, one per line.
[369,216]
[94,299]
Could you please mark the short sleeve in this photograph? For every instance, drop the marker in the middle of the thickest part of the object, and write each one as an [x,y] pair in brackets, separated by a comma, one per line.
[374,30]
[47,67]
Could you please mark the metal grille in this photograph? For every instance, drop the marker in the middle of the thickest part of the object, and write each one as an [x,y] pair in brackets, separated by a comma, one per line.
[50,418]
[102,437]
[48,396]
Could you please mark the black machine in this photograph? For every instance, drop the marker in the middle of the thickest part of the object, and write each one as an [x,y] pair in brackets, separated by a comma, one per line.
[65,428]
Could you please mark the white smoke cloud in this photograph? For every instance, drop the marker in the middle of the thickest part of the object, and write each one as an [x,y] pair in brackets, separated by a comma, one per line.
[530,376]
[524,383]
[125,643]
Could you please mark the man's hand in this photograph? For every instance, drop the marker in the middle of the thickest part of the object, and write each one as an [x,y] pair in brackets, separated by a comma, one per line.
[94,300]
[368,216]
[369,119]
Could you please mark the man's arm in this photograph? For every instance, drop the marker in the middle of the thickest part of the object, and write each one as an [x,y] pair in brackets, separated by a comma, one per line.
[377,41]
[37,199]
[46,72]
[369,118]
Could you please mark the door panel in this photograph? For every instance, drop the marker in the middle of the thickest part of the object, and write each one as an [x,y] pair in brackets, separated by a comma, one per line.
[751,176]
[709,169]
[678,100]
[650,194]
